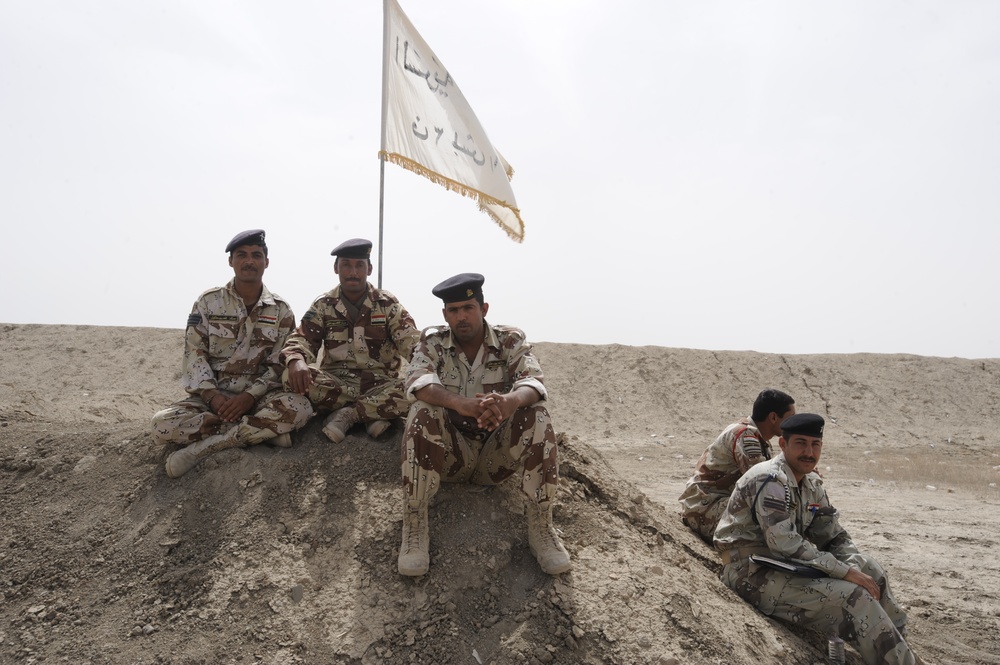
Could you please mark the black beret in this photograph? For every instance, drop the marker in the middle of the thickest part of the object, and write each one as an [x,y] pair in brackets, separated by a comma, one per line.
[251,237]
[466,286]
[355,248]
[806,424]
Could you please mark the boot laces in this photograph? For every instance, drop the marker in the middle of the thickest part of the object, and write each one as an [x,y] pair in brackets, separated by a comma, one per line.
[413,520]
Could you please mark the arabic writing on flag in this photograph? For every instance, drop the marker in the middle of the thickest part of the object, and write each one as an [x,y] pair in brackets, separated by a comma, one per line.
[429,128]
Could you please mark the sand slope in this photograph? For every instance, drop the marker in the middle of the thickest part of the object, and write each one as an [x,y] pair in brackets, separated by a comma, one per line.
[288,556]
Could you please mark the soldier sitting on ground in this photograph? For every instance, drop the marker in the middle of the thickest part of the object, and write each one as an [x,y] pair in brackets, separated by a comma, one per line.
[366,336]
[231,371]
[739,447]
[812,574]
[477,417]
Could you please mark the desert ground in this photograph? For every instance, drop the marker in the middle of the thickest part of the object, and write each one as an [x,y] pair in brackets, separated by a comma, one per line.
[269,555]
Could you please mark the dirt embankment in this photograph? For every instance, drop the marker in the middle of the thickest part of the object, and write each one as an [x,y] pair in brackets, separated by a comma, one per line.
[288,556]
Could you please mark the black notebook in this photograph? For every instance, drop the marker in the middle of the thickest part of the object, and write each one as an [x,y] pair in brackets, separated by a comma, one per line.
[790,567]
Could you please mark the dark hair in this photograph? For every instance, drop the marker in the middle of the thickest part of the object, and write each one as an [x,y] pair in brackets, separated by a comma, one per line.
[771,400]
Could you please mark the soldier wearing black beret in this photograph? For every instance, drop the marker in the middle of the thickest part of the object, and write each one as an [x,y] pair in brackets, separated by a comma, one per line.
[251,237]
[461,287]
[479,397]
[231,346]
[355,248]
[366,336]
[784,550]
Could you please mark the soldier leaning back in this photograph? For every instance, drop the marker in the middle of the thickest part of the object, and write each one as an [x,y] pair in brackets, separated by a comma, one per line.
[231,345]
[476,417]
[366,335]
[780,510]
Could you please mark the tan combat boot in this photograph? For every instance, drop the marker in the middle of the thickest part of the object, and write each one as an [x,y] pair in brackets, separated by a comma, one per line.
[377,428]
[337,425]
[282,440]
[543,540]
[414,550]
[185,459]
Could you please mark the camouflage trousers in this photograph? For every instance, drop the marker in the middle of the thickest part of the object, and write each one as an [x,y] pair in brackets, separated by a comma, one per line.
[701,512]
[374,396]
[830,606]
[190,420]
[440,445]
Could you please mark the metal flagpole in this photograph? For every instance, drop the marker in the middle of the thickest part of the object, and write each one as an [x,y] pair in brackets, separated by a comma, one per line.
[385,113]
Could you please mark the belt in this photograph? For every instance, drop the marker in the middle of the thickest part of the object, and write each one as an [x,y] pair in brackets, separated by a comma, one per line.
[734,553]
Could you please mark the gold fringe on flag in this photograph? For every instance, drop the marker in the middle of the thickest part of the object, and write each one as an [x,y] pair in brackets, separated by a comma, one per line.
[481,198]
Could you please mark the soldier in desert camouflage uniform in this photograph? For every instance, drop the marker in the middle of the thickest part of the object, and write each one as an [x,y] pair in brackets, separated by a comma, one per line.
[231,345]
[365,335]
[739,447]
[476,418]
[779,509]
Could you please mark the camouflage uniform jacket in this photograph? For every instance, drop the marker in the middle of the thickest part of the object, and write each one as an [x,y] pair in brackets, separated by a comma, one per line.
[794,521]
[228,348]
[505,362]
[733,452]
[378,341]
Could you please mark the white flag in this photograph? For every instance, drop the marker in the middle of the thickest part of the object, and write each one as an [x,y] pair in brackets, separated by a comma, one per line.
[429,128]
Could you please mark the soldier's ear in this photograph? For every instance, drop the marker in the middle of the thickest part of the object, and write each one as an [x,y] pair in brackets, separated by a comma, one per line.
[485,308]
[369,268]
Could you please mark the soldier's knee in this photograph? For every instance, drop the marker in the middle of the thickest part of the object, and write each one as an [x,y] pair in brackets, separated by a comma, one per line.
[421,404]
[540,410]
[159,428]
[165,436]
[302,408]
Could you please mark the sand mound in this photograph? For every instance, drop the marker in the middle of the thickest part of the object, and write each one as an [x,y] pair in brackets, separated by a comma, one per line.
[288,556]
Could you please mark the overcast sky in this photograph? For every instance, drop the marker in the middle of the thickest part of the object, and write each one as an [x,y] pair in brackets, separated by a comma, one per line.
[782,177]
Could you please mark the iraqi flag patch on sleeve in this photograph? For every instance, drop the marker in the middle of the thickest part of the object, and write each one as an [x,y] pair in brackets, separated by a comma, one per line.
[378,319]
[267,319]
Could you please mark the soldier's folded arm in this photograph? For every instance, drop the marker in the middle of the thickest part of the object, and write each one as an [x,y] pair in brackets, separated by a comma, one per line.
[436,394]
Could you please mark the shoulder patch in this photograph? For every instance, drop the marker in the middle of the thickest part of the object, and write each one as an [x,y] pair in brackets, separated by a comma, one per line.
[194,319]
[775,496]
